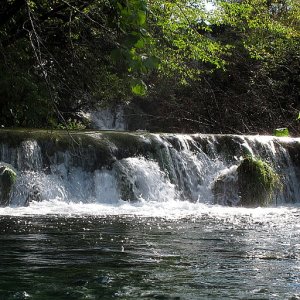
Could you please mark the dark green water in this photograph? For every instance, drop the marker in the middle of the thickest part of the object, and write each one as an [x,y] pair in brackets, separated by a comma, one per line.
[204,256]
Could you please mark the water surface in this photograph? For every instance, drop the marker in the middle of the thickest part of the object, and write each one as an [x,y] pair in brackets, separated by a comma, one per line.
[175,250]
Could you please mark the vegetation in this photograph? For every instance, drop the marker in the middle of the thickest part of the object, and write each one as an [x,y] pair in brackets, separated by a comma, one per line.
[281,132]
[257,182]
[232,68]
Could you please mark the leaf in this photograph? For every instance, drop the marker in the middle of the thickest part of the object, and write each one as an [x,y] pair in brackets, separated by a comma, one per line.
[138,87]
[298,118]
[281,132]
[139,44]
[151,62]
[141,17]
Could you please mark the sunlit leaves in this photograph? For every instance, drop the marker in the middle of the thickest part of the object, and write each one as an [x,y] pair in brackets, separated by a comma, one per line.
[135,42]
[267,28]
[138,87]
[182,39]
[141,17]
[140,43]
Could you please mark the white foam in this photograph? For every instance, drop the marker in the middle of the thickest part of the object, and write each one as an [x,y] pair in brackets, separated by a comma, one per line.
[146,180]
[167,210]
[182,171]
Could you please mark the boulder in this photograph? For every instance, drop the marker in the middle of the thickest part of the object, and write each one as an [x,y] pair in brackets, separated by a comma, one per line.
[7,180]
[257,182]
[252,183]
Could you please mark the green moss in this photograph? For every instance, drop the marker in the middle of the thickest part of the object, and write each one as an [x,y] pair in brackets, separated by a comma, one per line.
[257,182]
[7,180]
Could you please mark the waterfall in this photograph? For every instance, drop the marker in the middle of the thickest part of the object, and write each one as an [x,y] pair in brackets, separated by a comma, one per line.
[107,118]
[109,167]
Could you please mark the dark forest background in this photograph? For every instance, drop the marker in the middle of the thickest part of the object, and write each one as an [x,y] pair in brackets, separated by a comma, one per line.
[223,66]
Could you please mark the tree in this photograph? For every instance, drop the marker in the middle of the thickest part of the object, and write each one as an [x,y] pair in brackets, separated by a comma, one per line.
[257,86]
[61,56]
[72,50]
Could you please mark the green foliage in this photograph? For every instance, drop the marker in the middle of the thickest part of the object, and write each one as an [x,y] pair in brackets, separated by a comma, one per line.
[76,55]
[182,39]
[281,132]
[135,42]
[23,96]
[71,125]
[267,28]
[109,88]
[138,87]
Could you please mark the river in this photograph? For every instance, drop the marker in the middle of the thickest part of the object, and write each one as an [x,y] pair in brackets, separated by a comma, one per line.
[170,250]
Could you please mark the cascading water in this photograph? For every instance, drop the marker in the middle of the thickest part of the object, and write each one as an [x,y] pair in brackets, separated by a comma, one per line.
[108,215]
[107,118]
[111,167]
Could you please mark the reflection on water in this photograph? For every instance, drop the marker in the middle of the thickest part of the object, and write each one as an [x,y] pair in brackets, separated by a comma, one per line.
[237,254]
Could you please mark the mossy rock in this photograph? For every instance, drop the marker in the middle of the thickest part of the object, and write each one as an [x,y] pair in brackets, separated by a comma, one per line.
[7,180]
[257,182]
